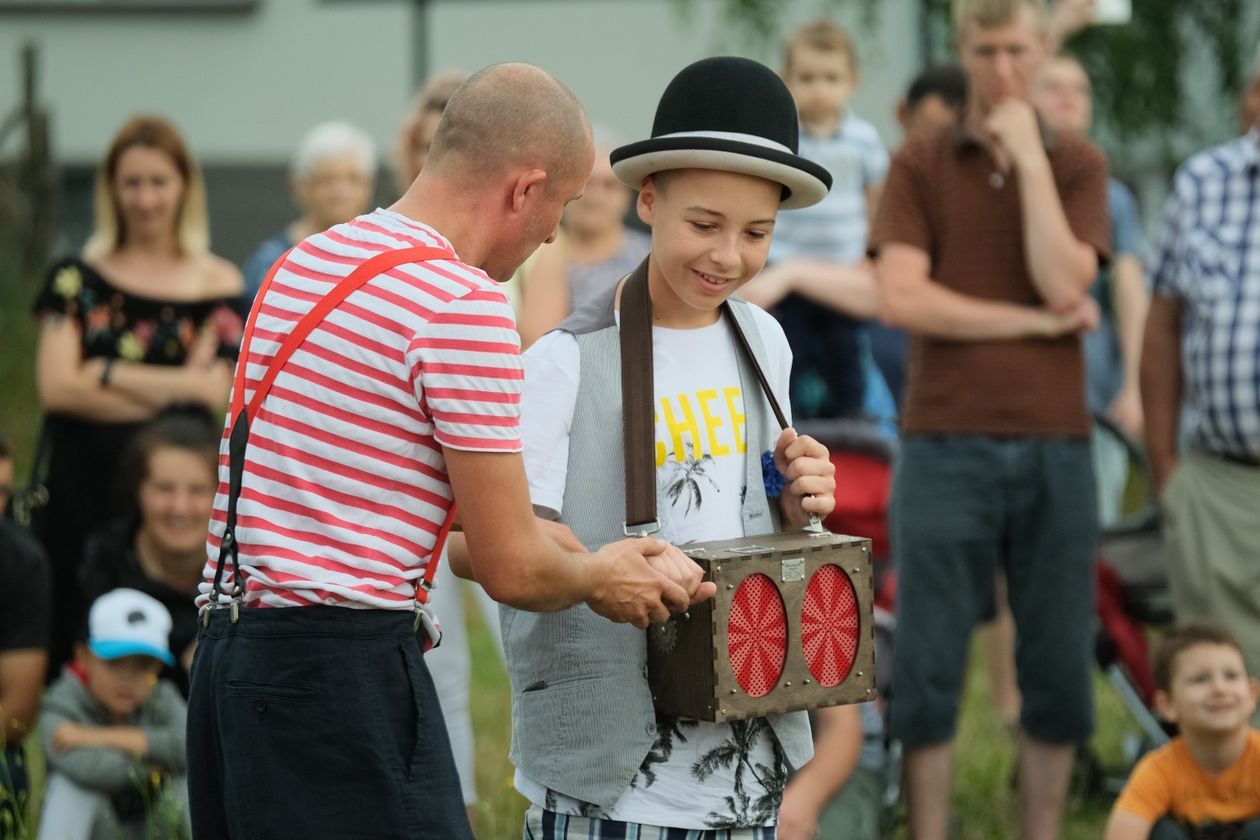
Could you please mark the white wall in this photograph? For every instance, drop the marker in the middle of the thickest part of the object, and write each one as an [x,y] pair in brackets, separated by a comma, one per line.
[618,55]
[243,87]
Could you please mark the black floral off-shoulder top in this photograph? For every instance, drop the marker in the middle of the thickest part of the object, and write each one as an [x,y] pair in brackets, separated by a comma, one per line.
[134,328]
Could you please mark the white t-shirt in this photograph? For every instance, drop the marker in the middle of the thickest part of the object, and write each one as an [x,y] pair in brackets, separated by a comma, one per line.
[698,775]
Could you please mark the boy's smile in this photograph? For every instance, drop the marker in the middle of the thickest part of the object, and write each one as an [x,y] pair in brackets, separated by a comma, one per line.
[710,235]
[1210,692]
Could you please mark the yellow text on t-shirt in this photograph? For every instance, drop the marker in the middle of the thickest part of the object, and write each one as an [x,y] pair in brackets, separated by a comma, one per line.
[700,423]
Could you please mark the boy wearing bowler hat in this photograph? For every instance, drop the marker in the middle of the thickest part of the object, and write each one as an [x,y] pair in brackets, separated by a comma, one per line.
[592,755]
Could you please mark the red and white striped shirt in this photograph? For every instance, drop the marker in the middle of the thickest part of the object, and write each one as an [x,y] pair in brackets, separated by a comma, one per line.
[345,486]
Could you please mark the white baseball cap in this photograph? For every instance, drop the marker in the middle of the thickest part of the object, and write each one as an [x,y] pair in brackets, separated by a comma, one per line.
[127,622]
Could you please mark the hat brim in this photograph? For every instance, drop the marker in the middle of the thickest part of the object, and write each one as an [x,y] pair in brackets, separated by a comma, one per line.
[804,181]
[118,649]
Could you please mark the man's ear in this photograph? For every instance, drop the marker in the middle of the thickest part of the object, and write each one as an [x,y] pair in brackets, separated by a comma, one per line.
[902,112]
[646,202]
[528,185]
[1164,706]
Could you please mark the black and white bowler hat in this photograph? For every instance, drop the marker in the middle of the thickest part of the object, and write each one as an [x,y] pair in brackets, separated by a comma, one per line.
[730,114]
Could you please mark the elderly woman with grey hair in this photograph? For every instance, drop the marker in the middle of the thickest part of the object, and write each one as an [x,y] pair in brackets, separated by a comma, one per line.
[333,175]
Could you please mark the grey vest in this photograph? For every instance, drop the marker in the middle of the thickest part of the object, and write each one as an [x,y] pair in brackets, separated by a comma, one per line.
[582,716]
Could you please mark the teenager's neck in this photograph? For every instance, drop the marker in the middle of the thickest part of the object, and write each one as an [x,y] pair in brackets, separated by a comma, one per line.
[592,247]
[823,127]
[179,570]
[1216,753]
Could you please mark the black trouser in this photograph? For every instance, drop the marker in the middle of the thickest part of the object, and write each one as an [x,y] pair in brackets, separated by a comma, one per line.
[318,722]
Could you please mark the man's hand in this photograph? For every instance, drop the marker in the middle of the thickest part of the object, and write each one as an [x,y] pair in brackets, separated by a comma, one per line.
[798,815]
[811,477]
[685,572]
[1014,123]
[1126,412]
[630,590]
[1081,318]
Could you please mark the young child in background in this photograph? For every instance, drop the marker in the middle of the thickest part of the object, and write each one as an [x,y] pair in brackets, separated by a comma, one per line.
[114,732]
[816,274]
[1206,782]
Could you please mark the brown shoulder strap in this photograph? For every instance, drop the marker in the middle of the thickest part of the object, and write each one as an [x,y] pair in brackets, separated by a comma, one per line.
[638,396]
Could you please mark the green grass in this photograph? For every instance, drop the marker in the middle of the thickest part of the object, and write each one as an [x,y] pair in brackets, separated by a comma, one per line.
[984,803]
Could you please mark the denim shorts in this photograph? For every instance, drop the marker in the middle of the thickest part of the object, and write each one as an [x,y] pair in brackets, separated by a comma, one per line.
[964,506]
[318,722]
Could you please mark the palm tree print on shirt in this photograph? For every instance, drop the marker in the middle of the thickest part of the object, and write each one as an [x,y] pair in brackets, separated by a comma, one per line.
[667,729]
[684,479]
[742,809]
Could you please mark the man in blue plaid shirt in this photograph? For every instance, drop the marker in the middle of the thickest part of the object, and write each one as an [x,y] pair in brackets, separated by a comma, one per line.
[1201,385]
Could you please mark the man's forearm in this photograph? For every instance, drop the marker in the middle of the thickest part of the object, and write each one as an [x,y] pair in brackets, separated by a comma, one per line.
[1129,300]
[1061,266]
[939,312]
[131,740]
[848,289]
[1161,384]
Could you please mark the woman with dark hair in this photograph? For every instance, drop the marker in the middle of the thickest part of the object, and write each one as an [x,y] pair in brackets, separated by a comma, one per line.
[159,546]
[143,319]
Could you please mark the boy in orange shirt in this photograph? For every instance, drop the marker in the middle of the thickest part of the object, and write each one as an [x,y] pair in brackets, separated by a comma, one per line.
[1206,782]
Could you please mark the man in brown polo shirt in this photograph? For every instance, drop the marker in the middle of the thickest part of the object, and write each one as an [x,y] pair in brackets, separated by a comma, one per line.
[987,239]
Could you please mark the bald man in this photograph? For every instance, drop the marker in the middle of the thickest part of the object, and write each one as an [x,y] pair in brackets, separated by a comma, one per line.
[312,713]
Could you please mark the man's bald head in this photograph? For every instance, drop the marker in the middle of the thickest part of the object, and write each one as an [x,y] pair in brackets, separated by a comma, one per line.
[508,116]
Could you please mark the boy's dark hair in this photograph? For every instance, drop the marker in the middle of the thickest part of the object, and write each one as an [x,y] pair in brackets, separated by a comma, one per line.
[946,81]
[1180,638]
[6,448]
[822,35]
[188,426]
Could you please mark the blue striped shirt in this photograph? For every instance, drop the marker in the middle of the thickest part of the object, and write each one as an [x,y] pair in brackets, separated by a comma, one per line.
[1209,259]
[835,228]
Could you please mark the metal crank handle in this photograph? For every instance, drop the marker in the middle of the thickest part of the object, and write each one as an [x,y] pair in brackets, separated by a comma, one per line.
[815,525]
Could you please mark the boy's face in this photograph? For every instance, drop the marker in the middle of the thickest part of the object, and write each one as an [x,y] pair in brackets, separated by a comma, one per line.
[1063,97]
[1210,691]
[176,499]
[1001,61]
[821,82]
[710,235]
[120,685]
[928,116]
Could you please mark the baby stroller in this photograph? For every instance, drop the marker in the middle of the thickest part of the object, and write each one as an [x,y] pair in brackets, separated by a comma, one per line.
[1132,594]
[863,453]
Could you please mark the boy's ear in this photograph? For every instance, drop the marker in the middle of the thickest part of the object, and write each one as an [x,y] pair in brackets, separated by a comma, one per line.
[646,202]
[1164,706]
[81,653]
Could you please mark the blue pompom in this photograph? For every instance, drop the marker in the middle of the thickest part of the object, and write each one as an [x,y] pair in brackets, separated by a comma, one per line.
[770,475]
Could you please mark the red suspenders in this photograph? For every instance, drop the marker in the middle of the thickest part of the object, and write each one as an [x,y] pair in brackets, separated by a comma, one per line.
[241,413]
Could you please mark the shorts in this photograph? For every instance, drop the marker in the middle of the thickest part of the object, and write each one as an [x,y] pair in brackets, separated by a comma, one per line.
[964,506]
